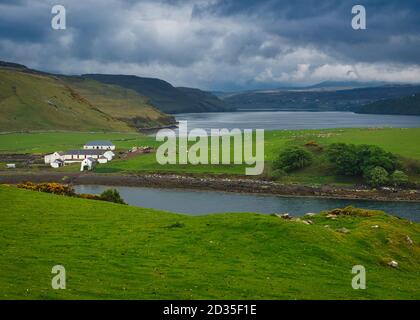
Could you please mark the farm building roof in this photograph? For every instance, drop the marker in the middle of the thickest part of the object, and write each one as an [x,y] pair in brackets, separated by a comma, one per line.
[86,152]
[106,143]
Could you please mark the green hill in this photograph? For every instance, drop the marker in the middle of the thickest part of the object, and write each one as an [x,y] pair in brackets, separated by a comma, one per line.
[205,101]
[121,103]
[406,106]
[163,95]
[114,251]
[35,101]
[31,101]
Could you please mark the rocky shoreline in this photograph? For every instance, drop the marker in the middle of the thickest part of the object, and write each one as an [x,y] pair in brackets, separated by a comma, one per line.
[228,184]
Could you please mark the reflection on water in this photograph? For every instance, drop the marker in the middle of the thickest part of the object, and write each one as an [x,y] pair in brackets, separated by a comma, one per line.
[276,120]
[203,202]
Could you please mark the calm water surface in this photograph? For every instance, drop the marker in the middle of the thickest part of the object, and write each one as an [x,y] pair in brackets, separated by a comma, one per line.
[204,202]
[276,120]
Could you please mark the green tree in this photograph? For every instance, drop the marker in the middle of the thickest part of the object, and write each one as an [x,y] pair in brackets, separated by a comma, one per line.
[357,160]
[377,177]
[399,178]
[374,156]
[345,158]
[293,158]
[112,195]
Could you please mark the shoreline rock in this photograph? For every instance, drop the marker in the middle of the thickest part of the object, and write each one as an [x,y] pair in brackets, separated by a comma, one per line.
[226,184]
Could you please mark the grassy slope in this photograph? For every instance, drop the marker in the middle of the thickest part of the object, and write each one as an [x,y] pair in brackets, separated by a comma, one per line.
[39,102]
[115,251]
[121,103]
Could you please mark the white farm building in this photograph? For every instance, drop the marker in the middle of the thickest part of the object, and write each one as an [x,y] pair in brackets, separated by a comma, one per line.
[88,164]
[57,163]
[79,155]
[99,145]
[99,155]
[50,158]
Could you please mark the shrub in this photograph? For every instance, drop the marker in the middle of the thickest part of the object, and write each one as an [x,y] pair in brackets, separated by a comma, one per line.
[377,177]
[88,196]
[345,159]
[293,158]
[55,188]
[374,156]
[352,160]
[112,195]
[399,178]
[313,145]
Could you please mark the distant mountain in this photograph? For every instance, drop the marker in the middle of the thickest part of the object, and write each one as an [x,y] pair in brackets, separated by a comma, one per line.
[405,106]
[317,99]
[32,100]
[163,95]
[344,85]
[206,101]
[6,64]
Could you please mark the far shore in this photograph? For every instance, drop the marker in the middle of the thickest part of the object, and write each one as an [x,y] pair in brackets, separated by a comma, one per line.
[222,183]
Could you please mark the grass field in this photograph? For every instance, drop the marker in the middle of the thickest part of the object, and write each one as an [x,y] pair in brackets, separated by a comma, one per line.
[403,142]
[114,251]
[54,141]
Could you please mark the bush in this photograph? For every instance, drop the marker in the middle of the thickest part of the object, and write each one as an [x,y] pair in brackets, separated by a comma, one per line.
[293,158]
[112,195]
[399,178]
[55,188]
[88,196]
[352,160]
[377,177]
[313,145]
[345,159]
[374,156]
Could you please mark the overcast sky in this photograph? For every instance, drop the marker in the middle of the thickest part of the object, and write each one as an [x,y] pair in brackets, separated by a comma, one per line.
[217,45]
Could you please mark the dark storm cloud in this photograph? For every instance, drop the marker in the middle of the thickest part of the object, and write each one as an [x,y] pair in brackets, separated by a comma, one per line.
[393,32]
[217,44]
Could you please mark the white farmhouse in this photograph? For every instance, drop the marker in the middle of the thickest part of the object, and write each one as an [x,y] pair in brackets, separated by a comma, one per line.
[80,155]
[87,164]
[57,163]
[50,158]
[100,155]
[99,145]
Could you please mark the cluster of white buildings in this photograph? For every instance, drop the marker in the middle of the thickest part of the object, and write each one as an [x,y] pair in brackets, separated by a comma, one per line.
[93,152]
